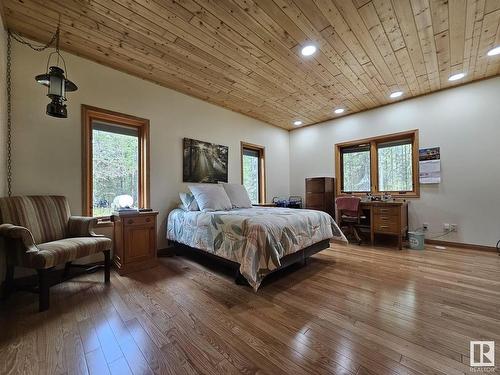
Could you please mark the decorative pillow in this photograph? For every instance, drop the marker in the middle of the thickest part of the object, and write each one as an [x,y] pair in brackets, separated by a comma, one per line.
[238,195]
[211,197]
[189,202]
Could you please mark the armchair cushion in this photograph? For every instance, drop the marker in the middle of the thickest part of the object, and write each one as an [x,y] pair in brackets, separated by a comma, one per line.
[51,254]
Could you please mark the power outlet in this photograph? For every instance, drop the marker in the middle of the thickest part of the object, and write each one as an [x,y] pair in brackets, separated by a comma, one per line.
[425,227]
[446,227]
[453,228]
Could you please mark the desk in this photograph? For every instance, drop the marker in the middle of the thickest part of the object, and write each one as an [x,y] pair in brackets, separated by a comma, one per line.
[387,218]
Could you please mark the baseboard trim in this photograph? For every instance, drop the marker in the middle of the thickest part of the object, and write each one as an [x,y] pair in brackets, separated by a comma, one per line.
[460,245]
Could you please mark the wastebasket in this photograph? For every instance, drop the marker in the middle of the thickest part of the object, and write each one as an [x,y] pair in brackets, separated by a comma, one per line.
[416,240]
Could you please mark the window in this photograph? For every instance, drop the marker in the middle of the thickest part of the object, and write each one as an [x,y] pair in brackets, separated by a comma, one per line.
[253,172]
[380,164]
[356,167]
[395,169]
[116,155]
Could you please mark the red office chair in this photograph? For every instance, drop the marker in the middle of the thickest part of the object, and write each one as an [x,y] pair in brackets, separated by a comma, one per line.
[349,215]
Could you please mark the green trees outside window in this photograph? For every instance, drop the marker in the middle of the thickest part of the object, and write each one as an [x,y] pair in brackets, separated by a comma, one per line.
[251,176]
[115,168]
[378,165]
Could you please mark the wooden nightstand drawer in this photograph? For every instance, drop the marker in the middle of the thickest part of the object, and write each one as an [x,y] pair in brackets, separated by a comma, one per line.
[139,220]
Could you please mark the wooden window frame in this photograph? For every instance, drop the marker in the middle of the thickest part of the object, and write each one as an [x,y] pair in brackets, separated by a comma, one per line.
[262,168]
[90,114]
[374,183]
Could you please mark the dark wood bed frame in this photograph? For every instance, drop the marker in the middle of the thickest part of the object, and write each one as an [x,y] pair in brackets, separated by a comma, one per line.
[287,260]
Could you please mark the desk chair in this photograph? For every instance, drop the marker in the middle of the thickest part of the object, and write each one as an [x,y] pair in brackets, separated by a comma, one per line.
[348,214]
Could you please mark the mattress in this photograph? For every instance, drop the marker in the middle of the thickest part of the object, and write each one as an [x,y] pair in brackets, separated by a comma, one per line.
[256,238]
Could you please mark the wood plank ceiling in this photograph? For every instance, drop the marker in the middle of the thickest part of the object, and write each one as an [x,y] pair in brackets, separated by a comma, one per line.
[245,54]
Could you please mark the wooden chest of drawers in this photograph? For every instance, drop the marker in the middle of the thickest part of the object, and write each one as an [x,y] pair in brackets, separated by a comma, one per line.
[134,241]
[320,194]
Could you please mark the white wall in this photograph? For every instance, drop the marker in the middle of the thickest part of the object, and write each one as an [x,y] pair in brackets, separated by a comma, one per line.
[464,122]
[47,151]
[3,109]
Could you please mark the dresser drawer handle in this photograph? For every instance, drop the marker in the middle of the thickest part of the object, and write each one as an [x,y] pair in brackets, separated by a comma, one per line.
[384,218]
[148,219]
[384,210]
[130,221]
[384,226]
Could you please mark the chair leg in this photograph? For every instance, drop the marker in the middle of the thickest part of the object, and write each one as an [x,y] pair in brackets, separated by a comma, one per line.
[9,282]
[43,289]
[356,234]
[107,265]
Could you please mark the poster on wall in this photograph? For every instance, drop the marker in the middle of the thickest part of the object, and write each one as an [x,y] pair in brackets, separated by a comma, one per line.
[430,165]
[204,162]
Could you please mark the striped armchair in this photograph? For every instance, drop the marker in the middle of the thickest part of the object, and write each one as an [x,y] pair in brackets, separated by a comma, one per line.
[39,233]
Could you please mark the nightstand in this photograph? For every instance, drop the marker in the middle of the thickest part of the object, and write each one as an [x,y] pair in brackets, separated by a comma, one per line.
[134,241]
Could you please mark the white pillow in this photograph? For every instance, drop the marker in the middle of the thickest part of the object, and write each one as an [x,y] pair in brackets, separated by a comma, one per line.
[189,201]
[238,195]
[211,197]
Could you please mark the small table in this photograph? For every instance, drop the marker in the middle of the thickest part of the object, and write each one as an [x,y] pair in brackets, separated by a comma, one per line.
[387,218]
[134,241]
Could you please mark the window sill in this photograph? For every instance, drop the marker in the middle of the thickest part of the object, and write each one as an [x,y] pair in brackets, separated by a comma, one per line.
[397,196]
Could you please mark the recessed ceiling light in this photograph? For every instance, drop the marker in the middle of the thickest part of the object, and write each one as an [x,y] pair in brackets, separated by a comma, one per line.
[339,110]
[297,123]
[456,77]
[494,51]
[308,50]
[396,94]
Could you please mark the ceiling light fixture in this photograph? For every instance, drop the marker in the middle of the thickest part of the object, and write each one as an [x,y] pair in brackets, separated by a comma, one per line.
[456,77]
[297,123]
[57,84]
[339,110]
[308,50]
[493,52]
[396,94]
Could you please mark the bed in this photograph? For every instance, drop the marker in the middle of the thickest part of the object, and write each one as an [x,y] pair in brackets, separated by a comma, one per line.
[259,239]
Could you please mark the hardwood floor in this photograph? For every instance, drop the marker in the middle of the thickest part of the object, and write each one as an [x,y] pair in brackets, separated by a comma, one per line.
[351,310]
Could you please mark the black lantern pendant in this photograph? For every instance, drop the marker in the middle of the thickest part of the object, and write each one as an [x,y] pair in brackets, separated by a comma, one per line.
[57,85]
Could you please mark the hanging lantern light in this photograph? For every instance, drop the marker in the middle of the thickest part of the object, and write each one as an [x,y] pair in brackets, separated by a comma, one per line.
[57,84]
